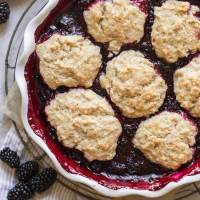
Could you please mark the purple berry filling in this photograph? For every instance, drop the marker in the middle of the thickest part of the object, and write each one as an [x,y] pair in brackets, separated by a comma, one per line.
[129,163]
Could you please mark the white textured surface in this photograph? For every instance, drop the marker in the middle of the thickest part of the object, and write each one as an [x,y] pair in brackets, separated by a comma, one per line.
[6,30]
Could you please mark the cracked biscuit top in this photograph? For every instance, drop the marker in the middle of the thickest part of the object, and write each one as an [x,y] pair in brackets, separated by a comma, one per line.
[85,121]
[69,61]
[176,30]
[133,84]
[115,22]
[166,139]
[187,87]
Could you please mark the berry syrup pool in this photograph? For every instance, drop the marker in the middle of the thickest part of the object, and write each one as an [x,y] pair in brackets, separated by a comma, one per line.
[129,168]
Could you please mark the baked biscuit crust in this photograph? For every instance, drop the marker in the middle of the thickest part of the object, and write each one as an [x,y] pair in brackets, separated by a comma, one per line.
[85,121]
[166,139]
[187,87]
[175,32]
[118,22]
[69,61]
[133,84]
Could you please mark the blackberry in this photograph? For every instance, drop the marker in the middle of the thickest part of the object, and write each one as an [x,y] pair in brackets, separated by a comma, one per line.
[65,21]
[10,157]
[43,180]
[96,166]
[27,170]
[4,12]
[20,192]
[68,23]
[83,4]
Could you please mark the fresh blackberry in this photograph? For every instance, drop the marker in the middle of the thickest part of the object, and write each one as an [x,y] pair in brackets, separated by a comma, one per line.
[83,4]
[4,12]
[68,23]
[20,192]
[43,180]
[10,157]
[96,166]
[27,170]
[65,21]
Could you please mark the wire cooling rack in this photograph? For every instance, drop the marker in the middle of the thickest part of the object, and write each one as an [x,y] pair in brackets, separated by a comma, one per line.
[190,192]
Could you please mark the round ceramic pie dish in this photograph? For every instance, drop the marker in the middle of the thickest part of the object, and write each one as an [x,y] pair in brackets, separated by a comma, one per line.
[120,123]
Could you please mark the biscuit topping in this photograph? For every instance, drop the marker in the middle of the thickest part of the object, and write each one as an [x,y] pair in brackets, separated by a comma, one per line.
[187,87]
[133,84]
[176,30]
[69,61]
[166,139]
[115,22]
[85,121]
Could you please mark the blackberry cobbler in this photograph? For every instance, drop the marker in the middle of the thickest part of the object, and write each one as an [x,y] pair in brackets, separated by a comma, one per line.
[114,89]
